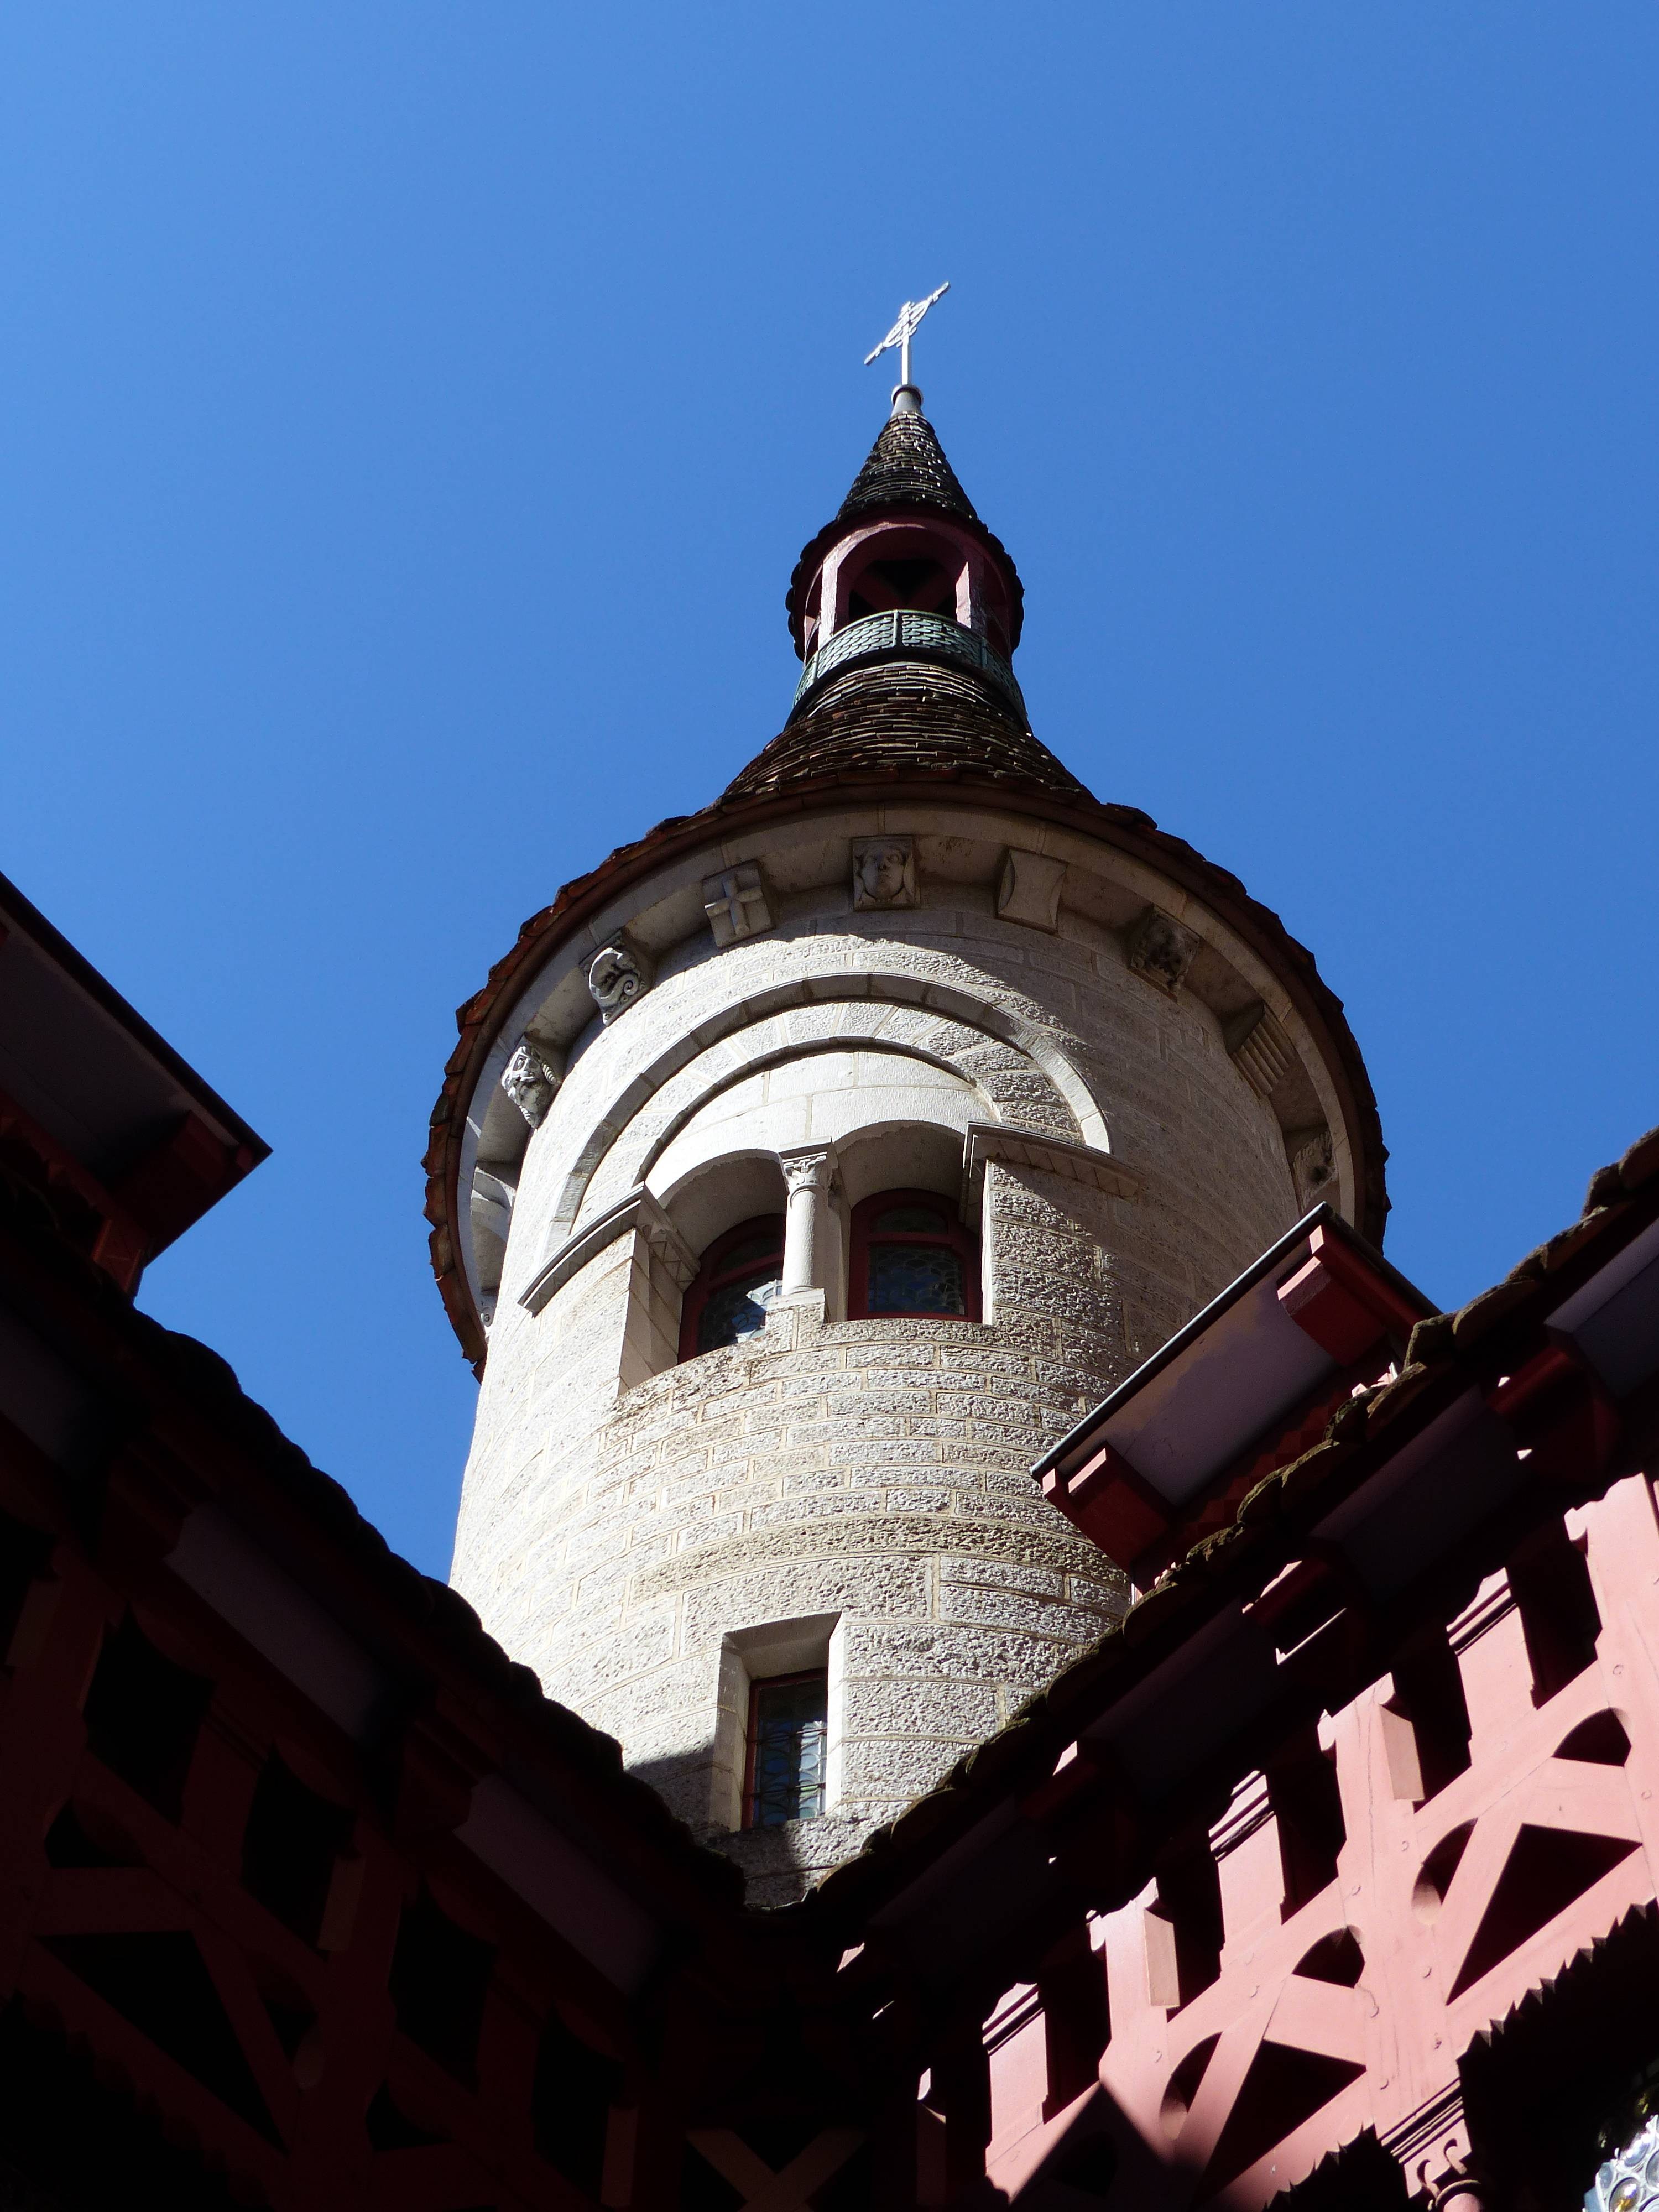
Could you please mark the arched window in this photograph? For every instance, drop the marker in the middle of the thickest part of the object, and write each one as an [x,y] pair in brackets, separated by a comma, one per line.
[739,1273]
[911,1256]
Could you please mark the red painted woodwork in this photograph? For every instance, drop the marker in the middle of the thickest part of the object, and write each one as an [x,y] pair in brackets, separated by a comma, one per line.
[1111,1504]
[1333,1875]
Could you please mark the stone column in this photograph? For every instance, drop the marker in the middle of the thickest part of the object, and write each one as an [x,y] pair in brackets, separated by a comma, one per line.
[806,1171]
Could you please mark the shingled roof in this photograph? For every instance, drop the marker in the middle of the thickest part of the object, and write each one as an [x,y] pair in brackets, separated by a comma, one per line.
[907,467]
[906,473]
[910,718]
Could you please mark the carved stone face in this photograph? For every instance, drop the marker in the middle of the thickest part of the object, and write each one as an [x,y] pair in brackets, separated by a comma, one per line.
[881,872]
[531,1085]
[1161,949]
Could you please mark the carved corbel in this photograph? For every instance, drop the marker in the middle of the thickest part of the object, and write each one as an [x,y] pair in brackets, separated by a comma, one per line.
[1258,1048]
[1029,889]
[883,872]
[736,903]
[1313,1164]
[618,973]
[531,1081]
[1161,949]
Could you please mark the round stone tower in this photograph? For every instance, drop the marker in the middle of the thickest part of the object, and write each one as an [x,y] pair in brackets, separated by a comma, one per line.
[805,1171]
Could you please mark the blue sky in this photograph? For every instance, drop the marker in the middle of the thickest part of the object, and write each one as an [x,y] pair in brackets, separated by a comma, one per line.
[409,415]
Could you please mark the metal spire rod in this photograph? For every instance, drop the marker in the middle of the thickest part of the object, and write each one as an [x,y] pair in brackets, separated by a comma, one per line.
[903,330]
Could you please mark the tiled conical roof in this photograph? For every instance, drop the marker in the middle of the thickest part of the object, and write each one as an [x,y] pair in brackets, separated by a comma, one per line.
[905,719]
[907,467]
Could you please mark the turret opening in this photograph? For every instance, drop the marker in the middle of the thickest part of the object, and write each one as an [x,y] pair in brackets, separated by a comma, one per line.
[928,585]
[912,565]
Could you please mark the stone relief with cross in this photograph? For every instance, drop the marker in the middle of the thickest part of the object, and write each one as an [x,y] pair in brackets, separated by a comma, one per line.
[736,903]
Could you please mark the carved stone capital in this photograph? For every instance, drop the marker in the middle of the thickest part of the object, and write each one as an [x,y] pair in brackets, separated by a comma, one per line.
[1161,949]
[529,1083]
[617,974]
[1029,889]
[736,903]
[883,872]
[808,1170]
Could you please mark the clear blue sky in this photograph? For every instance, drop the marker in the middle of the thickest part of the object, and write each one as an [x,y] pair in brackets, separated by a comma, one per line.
[409,415]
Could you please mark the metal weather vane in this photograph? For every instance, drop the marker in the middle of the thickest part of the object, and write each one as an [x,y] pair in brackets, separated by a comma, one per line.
[910,315]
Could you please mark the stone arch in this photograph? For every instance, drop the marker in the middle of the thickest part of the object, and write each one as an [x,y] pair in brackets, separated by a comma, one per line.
[1014,1065]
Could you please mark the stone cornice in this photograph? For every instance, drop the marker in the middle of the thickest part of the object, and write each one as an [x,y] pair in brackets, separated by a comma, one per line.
[638,1210]
[1032,1148]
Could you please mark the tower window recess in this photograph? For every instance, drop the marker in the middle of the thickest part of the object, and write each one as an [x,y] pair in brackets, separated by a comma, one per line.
[924,583]
[741,1273]
[911,1257]
[788,1736]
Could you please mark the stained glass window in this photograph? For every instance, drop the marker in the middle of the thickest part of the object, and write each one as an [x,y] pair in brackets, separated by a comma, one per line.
[789,1729]
[913,1220]
[737,1310]
[915,1279]
[742,1273]
[911,1256]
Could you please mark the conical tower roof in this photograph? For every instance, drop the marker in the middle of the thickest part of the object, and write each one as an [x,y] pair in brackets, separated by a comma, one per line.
[905,719]
[907,468]
[927,697]
[906,473]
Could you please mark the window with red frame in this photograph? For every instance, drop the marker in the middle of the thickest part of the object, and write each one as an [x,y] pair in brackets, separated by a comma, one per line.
[911,1256]
[740,1274]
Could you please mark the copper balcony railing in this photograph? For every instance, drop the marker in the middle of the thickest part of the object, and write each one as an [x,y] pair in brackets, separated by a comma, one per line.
[905,631]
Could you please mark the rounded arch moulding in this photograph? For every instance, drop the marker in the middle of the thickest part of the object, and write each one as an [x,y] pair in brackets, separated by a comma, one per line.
[1117,864]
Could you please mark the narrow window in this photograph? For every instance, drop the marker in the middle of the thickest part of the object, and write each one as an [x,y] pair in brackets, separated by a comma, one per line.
[788,1731]
[741,1273]
[910,1256]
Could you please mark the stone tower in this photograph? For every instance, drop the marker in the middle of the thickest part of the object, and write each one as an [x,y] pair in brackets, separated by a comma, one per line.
[805,1171]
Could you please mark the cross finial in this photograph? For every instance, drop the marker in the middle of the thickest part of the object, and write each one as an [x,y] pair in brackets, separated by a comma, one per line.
[903,330]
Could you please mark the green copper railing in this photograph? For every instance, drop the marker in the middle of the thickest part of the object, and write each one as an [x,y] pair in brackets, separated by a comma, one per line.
[904,631]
